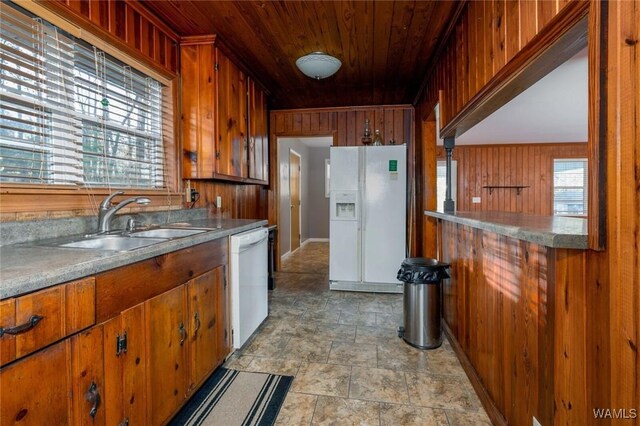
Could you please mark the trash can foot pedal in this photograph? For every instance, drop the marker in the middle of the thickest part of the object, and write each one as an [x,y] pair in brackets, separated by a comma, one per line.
[400,331]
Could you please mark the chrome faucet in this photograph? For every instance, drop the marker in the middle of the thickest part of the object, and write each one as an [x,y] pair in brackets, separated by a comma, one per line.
[107,210]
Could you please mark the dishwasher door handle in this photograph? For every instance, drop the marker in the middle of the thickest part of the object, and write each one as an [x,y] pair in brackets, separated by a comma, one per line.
[255,243]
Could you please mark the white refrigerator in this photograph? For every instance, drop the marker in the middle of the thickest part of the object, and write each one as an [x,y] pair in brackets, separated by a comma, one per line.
[367,230]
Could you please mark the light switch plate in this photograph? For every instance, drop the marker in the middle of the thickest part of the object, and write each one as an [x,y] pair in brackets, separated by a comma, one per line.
[475,200]
[219,202]
[536,422]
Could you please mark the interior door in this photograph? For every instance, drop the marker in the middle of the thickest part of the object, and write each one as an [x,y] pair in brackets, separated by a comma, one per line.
[166,329]
[294,188]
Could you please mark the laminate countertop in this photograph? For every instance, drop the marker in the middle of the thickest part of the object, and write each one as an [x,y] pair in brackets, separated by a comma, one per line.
[549,231]
[29,266]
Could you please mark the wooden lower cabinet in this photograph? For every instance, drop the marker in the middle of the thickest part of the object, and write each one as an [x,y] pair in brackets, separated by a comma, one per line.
[208,313]
[167,342]
[60,385]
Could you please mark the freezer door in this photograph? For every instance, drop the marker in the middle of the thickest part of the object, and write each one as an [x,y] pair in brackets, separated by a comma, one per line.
[344,251]
[344,168]
[384,212]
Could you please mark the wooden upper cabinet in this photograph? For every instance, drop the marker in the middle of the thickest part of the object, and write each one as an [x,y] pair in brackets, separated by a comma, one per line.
[258,136]
[224,116]
[232,118]
[199,100]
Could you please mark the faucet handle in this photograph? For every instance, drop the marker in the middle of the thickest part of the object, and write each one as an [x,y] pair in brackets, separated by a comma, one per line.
[132,224]
[107,201]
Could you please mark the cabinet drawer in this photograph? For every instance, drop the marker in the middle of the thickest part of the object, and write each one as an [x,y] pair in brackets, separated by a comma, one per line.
[35,320]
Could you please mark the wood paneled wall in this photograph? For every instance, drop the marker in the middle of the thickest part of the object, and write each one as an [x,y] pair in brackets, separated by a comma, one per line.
[127,25]
[238,201]
[394,122]
[600,367]
[517,311]
[529,165]
[488,35]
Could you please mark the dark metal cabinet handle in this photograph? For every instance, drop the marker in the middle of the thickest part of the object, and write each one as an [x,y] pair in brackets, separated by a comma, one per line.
[196,319]
[93,396]
[33,321]
[182,332]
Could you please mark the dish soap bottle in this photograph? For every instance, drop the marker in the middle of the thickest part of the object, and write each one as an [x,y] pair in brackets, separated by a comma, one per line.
[377,139]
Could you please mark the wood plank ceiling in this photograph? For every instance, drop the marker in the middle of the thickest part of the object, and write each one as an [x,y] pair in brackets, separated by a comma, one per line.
[385,46]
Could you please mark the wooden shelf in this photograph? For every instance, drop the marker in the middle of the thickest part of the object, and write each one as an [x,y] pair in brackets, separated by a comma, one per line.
[518,188]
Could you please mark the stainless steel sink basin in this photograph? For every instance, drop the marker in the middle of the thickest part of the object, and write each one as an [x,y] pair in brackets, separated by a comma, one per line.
[113,243]
[167,233]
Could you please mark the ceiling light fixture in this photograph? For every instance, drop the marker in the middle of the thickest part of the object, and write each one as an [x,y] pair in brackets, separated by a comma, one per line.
[318,65]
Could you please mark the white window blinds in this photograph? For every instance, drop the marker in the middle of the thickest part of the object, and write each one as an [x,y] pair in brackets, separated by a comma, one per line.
[570,187]
[70,114]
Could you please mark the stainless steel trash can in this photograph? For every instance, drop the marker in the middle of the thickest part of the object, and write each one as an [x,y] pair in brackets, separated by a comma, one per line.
[422,278]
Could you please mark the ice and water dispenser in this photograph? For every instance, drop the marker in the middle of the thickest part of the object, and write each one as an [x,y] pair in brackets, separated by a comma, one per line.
[344,205]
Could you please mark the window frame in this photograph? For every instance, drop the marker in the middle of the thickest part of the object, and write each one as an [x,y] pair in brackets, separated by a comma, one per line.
[585,187]
[18,198]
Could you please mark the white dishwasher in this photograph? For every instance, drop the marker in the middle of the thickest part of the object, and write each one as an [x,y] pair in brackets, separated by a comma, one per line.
[249,298]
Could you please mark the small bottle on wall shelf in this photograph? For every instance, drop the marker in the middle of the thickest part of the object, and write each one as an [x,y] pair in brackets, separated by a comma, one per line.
[366,138]
[377,139]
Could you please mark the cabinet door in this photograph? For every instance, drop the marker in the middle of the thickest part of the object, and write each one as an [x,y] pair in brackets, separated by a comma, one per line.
[37,389]
[198,110]
[257,132]
[207,321]
[166,332]
[125,391]
[87,369]
[232,118]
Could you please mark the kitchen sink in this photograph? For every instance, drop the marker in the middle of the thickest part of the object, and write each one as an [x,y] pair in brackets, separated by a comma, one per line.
[113,243]
[167,233]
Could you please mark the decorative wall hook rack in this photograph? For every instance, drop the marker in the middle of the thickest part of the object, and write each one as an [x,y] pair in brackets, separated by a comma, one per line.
[518,188]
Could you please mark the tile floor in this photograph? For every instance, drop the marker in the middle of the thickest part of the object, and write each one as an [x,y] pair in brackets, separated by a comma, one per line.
[349,365]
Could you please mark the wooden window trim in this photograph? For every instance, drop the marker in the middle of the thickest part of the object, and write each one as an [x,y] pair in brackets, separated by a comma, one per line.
[17,198]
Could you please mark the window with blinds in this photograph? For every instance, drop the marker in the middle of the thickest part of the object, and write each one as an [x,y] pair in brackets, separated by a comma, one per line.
[71,114]
[570,187]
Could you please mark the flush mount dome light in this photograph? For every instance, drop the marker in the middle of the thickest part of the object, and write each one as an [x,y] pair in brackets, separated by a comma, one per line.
[318,65]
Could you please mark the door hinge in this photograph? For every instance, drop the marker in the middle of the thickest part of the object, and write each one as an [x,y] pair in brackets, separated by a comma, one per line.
[125,422]
[225,282]
[216,66]
[121,343]
[225,334]
[217,155]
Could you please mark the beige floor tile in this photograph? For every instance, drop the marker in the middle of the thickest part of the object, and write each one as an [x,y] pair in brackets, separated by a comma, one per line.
[265,345]
[393,320]
[398,355]
[375,384]
[457,418]
[345,412]
[336,332]
[322,379]
[353,354]
[343,305]
[300,329]
[442,361]
[430,390]
[358,318]
[321,315]
[288,313]
[376,335]
[407,415]
[375,306]
[238,362]
[282,367]
[297,410]
[307,349]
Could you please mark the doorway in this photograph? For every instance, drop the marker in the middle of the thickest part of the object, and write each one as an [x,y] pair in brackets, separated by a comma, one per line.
[295,172]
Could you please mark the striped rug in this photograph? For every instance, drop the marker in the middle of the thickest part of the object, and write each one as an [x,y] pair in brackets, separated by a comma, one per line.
[230,398]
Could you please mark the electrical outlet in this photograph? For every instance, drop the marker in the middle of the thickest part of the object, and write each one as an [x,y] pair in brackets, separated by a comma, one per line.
[194,195]
[475,200]
[219,202]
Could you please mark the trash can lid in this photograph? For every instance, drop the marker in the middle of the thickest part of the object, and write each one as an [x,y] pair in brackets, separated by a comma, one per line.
[423,263]
[422,270]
